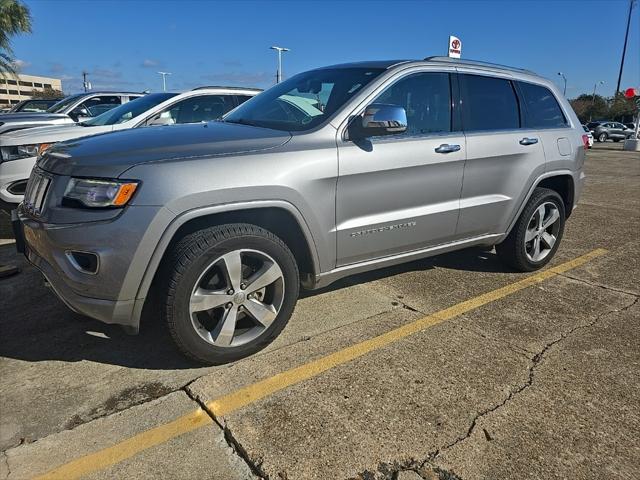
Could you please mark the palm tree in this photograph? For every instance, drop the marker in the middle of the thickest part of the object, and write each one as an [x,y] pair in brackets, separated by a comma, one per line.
[14,20]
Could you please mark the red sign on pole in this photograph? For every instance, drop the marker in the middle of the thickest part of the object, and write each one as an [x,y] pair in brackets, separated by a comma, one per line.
[632,92]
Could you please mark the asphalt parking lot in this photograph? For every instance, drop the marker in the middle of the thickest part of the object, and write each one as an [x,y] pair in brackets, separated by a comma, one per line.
[450,368]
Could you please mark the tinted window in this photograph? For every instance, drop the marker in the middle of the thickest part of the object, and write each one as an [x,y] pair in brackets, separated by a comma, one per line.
[242,98]
[202,108]
[304,101]
[426,99]
[488,103]
[129,110]
[99,105]
[541,107]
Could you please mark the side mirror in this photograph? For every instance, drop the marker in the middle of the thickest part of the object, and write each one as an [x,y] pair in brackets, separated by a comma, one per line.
[382,119]
[79,113]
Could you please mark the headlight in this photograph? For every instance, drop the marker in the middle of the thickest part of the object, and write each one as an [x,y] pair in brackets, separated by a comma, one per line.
[100,193]
[16,152]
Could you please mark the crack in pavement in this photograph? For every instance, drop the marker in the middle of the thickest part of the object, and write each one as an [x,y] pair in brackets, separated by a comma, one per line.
[391,470]
[598,285]
[234,444]
[6,462]
[536,360]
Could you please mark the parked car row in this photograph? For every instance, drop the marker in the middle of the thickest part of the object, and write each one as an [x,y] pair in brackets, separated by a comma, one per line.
[332,172]
[90,114]
[606,130]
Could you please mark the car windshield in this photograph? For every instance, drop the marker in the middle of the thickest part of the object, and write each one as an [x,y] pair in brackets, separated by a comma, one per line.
[128,110]
[303,101]
[62,104]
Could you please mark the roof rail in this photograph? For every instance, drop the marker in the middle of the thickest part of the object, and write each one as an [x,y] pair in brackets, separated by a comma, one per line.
[477,63]
[228,88]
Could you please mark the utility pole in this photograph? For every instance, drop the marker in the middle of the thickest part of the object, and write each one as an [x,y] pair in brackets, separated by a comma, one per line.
[564,92]
[85,84]
[593,98]
[279,71]
[164,80]
[624,48]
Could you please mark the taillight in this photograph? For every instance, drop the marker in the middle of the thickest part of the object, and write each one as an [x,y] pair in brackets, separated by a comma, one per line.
[585,141]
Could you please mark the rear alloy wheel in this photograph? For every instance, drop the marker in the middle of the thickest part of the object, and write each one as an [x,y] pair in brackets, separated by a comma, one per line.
[536,235]
[602,137]
[232,289]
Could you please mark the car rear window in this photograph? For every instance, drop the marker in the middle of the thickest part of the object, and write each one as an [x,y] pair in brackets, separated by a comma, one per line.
[488,103]
[541,107]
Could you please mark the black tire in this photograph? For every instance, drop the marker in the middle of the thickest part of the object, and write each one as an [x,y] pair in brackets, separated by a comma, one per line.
[603,137]
[512,250]
[192,256]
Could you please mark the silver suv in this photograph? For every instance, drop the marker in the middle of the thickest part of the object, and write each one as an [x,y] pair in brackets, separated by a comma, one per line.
[334,171]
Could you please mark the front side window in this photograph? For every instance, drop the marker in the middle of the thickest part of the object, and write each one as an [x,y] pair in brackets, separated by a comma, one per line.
[541,107]
[488,103]
[426,97]
[129,110]
[97,105]
[202,108]
[304,101]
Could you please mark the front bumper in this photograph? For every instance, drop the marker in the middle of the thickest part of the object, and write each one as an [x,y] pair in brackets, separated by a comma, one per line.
[109,295]
[13,171]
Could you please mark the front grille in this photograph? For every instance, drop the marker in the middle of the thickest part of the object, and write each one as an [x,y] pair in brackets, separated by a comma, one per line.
[36,192]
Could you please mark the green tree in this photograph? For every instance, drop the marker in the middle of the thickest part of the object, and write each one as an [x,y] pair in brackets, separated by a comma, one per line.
[589,108]
[46,93]
[15,19]
[622,108]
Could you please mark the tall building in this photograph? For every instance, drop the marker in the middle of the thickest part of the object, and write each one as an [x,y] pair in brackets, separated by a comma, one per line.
[14,88]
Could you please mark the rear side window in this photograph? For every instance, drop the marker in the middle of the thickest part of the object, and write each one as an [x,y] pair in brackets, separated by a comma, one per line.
[541,107]
[488,103]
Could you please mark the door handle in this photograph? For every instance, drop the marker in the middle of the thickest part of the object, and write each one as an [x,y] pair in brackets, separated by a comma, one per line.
[446,148]
[528,141]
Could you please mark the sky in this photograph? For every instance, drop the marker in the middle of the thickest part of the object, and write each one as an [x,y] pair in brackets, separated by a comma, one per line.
[123,44]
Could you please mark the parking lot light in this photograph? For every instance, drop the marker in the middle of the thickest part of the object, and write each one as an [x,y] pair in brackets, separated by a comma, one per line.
[279,71]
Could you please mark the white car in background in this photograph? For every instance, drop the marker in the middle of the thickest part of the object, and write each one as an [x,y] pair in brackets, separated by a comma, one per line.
[589,135]
[19,150]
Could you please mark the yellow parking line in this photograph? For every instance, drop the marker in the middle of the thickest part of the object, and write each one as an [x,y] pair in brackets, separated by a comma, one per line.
[129,447]
[254,392]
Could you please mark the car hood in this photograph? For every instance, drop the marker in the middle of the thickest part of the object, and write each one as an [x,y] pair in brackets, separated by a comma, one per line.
[50,134]
[31,116]
[111,154]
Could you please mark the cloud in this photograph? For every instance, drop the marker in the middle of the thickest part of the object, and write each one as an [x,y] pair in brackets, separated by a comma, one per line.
[21,64]
[56,68]
[148,63]
[106,73]
[240,78]
[231,63]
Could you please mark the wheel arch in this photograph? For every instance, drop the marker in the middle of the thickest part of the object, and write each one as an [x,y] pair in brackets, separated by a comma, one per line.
[280,217]
[560,181]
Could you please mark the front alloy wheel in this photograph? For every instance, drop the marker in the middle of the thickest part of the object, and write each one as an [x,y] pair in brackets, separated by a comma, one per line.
[237,298]
[230,290]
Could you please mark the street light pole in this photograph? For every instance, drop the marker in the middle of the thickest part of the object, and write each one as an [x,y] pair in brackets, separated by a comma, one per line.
[564,92]
[164,80]
[279,72]
[593,98]
[624,48]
